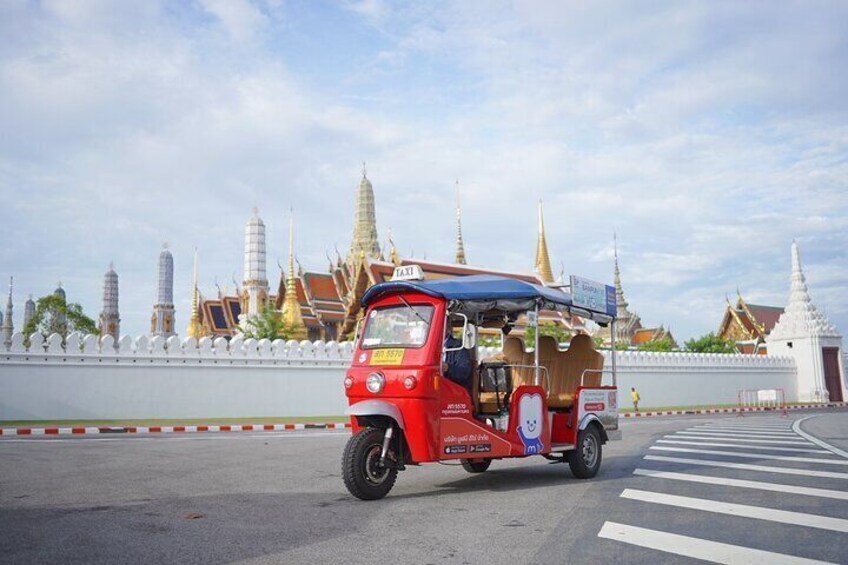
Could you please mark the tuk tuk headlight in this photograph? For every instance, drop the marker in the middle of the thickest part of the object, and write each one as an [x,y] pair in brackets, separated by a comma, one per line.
[348,382]
[375,382]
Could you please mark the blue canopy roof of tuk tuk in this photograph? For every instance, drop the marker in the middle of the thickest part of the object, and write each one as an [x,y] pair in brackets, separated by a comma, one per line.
[476,288]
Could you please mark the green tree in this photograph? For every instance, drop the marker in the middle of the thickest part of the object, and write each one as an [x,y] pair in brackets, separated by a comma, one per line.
[486,340]
[620,345]
[664,344]
[53,314]
[546,328]
[268,324]
[710,343]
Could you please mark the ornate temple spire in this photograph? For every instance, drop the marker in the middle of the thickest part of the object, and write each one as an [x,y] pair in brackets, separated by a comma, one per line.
[8,325]
[460,248]
[165,290]
[195,329]
[110,319]
[543,260]
[255,282]
[620,302]
[394,256]
[292,316]
[162,322]
[364,222]
[29,310]
[801,318]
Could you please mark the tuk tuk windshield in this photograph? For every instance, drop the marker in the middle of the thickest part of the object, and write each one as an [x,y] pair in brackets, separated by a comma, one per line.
[397,326]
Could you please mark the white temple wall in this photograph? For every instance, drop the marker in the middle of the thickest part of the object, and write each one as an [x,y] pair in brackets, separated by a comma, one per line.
[692,379]
[91,379]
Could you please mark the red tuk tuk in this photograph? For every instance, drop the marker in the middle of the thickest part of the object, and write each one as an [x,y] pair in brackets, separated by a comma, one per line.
[417,394]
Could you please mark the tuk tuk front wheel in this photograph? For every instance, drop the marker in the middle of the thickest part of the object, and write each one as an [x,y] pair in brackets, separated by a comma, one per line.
[363,474]
[476,465]
[585,460]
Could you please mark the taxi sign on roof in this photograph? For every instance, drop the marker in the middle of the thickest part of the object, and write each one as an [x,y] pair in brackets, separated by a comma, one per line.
[408,273]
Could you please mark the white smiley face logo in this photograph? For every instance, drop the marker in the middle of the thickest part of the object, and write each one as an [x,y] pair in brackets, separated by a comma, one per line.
[530,414]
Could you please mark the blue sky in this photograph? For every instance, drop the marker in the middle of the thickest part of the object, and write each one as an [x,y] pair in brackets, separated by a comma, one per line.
[708,135]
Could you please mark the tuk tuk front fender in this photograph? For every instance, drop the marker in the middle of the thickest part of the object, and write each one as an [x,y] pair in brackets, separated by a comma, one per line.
[376,408]
[588,419]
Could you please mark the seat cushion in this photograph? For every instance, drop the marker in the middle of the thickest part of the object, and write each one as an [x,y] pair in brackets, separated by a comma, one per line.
[560,400]
[489,402]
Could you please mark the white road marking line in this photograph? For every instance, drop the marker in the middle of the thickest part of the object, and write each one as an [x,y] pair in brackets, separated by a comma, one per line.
[752,455]
[742,510]
[742,434]
[696,548]
[758,485]
[688,435]
[797,427]
[785,426]
[748,467]
[759,431]
[765,447]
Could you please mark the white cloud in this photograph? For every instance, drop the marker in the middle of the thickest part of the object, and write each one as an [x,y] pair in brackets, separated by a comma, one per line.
[707,136]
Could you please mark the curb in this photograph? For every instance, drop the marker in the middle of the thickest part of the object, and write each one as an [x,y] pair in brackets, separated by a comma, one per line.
[107,430]
[732,410]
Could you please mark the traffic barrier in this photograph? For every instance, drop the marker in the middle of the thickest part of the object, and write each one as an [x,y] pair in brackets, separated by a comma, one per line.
[763,399]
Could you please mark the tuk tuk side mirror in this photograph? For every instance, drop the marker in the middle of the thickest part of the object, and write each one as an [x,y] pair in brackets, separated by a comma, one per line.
[464,334]
[469,336]
[356,331]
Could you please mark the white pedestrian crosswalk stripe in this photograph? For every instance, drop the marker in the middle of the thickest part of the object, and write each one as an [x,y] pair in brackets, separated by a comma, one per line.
[788,437]
[749,467]
[696,548]
[816,460]
[759,447]
[743,510]
[737,439]
[781,429]
[783,433]
[779,449]
[759,485]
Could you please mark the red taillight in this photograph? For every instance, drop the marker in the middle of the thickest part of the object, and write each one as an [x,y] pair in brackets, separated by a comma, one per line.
[348,382]
[410,382]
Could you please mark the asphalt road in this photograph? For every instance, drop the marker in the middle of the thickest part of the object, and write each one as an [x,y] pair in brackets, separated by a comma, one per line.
[279,498]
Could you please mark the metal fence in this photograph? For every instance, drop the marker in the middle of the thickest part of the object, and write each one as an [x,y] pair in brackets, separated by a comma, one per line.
[762,399]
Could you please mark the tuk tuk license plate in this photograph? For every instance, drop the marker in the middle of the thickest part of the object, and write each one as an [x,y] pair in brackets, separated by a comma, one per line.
[387,356]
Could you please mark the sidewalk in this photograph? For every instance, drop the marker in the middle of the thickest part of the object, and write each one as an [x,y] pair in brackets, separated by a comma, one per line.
[214,428]
[684,412]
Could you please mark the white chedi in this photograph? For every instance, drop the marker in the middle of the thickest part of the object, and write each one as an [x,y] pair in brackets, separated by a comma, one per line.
[801,318]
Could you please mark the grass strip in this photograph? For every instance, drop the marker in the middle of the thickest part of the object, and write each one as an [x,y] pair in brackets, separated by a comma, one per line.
[171,422]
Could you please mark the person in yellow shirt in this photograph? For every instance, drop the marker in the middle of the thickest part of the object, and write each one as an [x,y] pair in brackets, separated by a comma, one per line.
[634,394]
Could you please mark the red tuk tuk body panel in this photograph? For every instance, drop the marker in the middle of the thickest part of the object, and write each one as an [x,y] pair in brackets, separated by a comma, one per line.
[464,437]
[563,428]
[600,402]
[400,367]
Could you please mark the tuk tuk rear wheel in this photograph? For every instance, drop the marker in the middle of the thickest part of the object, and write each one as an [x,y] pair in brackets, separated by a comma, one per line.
[585,460]
[476,465]
[363,475]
